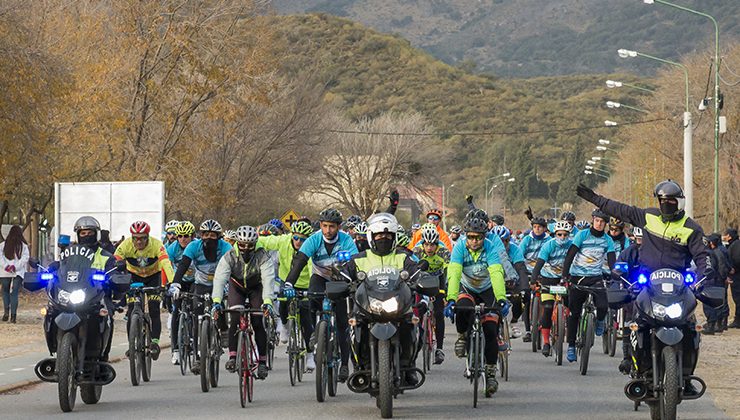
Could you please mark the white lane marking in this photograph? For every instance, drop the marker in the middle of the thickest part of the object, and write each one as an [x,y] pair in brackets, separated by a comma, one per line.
[16,369]
[2,373]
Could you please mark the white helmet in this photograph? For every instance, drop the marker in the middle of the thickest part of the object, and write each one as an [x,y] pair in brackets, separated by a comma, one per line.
[246,234]
[637,232]
[230,234]
[171,225]
[381,222]
[562,225]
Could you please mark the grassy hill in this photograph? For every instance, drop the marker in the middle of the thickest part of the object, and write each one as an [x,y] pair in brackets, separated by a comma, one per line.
[369,72]
[524,38]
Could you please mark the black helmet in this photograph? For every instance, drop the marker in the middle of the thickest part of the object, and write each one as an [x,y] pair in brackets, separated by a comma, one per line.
[568,216]
[330,215]
[497,219]
[616,222]
[539,221]
[353,221]
[600,214]
[476,225]
[477,214]
[668,189]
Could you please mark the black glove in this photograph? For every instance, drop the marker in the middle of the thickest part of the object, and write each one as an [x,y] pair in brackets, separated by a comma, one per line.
[528,212]
[586,193]
[469,199]
[394,197]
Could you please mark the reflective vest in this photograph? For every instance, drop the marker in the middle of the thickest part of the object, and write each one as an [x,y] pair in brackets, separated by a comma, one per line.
[371,260]
[673,231]
[99,260]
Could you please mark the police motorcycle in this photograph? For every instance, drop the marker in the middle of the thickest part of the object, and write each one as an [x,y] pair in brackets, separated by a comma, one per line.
[77,324]
[382,300]
[664,338]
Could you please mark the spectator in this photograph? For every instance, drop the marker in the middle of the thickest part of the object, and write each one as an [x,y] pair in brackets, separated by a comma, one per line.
[13,259]
[716,317]
[733,247]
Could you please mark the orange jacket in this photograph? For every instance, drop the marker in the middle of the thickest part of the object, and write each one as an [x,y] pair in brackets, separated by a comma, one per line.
[442,237]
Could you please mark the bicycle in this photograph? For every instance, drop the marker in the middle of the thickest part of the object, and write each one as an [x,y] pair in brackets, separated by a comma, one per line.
[296,350]
[139,335]
[186,332]
[610,333]
[475,363]
[209,347]
[429,340]
[534,316]
[328,360]
[503,355]
[559,316]
[586,334]
[247,358]
[272,339]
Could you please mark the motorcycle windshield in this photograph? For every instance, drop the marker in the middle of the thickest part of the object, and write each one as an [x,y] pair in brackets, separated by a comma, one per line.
[667,282]
[75,269]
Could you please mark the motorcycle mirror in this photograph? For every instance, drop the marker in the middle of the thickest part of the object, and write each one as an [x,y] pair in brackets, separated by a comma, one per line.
[120,265]
[404,275]
[34,263]
[361,276]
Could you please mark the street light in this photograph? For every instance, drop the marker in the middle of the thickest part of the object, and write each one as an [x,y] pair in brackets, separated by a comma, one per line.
[612,104]
[602,148]
[591,162]
[688,132]
[609,123]
[594,173]
[505,183]
[716,107]
[503,175]
[602,141]
[445,192]
[611,84]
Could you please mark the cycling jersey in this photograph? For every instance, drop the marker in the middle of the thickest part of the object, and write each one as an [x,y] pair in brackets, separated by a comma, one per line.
[416,238]
[175,251]
[509,271]
[256,273]
[591,255]
[530,248]
[476,270]
[205,269]
[436,262]
[283,244]
[315,249]
[553,254]
[147,262]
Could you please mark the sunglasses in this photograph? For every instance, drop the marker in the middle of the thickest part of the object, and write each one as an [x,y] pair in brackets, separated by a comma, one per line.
[140,238]
[561,235]
[475,237]
[247,246]
[433,217]
[614,229]
[299,238]
[184,236]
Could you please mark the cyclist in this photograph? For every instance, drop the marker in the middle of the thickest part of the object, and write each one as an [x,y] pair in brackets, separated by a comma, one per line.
[286,247]
[530,247]
[230,236]
[548,270]
[169,231]
[437,258]
[361,236]
[570,217]
[621,241]
[455,232]
[350,226]
[497,220]
[202,256]
[249,272]
[475,275]
[403,242]
[146,259]
[383,253]
[322,248]
[434,217]
[184,232]
[279,225]
[415,228]
[515,274]
[584,261]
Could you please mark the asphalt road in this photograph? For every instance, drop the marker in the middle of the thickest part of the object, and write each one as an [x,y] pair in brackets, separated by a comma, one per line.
[536,388]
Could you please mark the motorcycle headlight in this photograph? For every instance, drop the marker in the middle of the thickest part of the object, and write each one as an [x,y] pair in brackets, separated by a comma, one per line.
[658,310]
[674,311]
[76,297]
[378,306]
[63,297]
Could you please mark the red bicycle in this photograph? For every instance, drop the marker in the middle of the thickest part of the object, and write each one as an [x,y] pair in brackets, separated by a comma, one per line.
[247,358]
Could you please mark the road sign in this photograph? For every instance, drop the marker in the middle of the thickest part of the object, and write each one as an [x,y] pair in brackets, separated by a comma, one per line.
[289,217]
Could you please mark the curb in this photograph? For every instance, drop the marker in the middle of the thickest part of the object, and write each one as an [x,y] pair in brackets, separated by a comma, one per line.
[4,389]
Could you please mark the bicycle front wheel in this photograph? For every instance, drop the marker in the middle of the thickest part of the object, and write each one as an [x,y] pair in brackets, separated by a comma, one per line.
[559,327]
[503,356]
[535,318]
[322,368]
[587,342]
[146,340]
[475,363]
[204,344]
[183,343]
[292,353]
[134,349]
[215,355]
[242,367]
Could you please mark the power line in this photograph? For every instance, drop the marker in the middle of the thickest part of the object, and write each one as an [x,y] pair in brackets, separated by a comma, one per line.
[492,133]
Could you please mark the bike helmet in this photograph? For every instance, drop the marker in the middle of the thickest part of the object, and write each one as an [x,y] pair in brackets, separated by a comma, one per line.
[353,221]
[402,239]
[330,215]
[87,223]
[456,229]
[246,235]
[562,225]
[171,225]
[230,234]
[568,216]
[498,219]
[434,212]
[302,228]
[401,229]
[429,234]
[185,228]
[277,223]
[539,221]
[477,214]
[415,226]
[140,228]
[637,232]
[267,230]
[583,224]
[614,222]
[361,228]
[476,225]
[211,225]
[600,214]
[502,231]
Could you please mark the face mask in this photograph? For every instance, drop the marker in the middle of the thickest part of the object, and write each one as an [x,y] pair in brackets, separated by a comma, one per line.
[88,240]
[383,246]
[561,241]
[668,209]
[245,253]
[725,243]
[210,244]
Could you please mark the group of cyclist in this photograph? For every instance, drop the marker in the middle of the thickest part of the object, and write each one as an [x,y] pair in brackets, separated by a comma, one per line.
[480,261]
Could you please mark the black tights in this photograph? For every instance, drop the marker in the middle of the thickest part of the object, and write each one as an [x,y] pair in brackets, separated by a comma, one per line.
[464,320]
